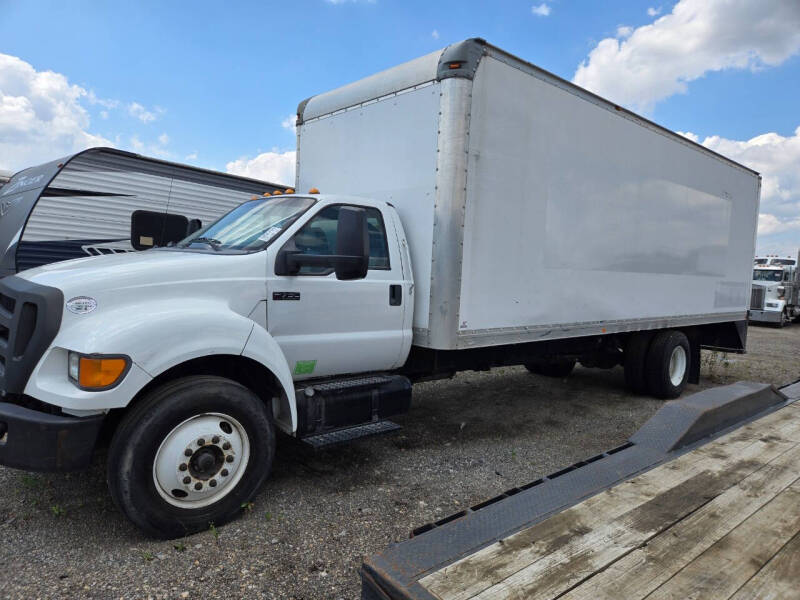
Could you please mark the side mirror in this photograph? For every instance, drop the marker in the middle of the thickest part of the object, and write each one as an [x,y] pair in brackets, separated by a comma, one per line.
[194,225]
[352,244]
[351,260]
[150,229]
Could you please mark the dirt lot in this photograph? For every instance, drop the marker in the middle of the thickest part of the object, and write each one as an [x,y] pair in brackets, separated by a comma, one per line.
[465,441]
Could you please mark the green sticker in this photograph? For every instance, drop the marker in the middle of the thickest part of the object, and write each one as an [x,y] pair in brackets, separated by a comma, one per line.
[304,367]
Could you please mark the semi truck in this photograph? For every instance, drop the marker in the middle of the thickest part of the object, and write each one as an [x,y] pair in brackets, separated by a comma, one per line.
[775,295]
[106,201]
[476,211]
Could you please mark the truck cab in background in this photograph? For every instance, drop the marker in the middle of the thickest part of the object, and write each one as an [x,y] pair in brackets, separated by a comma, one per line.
[775,295]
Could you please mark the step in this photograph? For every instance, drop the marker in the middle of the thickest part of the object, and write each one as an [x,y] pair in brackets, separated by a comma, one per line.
[342,436]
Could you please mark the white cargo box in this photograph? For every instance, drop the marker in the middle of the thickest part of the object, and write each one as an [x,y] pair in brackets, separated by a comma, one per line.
[534,209]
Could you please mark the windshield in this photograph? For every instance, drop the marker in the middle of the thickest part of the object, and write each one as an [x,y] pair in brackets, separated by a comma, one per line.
[767,275]
[250,226]
[760,261]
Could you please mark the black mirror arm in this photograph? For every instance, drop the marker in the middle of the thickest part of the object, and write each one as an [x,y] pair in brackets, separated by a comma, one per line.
[294,260]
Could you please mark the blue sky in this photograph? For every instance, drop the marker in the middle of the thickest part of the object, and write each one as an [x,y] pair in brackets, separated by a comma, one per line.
[213,85]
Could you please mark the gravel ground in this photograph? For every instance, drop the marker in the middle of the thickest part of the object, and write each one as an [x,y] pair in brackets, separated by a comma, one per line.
[466,440]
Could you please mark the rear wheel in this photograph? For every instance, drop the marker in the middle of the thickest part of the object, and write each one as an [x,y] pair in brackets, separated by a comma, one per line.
[667,364]
[552,368]
[190,454]
[635,358]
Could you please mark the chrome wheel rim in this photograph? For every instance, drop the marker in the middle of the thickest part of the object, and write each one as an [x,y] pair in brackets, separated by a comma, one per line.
[677,365]
[201,460]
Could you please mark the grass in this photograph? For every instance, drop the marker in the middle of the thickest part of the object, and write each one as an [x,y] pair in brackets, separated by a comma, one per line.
[214,531]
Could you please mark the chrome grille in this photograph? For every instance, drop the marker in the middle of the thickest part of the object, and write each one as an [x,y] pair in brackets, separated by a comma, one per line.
[757,296]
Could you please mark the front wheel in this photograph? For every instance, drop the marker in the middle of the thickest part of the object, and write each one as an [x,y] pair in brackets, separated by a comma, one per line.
[190,454]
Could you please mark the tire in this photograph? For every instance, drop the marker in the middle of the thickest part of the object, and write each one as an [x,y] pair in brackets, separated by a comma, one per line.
[668,364]
[238,440]
[635,359]
[556,368]
[785,320]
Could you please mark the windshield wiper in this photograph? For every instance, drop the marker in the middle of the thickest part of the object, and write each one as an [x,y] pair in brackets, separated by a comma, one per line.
[215,244]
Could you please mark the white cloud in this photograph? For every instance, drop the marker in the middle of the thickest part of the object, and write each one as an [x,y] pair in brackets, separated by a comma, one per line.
[541,10]
[192,156]
[104,102]
[158,148]
[697,37]
[290,123]
[654,11]
[624,31]
[435,34]
[274,166]
[777,158]
[145,116]
[41,116]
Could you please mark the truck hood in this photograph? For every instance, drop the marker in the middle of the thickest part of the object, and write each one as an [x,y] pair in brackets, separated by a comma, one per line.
[151,268]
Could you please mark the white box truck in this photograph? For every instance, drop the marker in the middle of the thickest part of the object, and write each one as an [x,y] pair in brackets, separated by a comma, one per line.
[479,212]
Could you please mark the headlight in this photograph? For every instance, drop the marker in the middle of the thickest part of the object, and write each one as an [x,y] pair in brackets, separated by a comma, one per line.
[96,372]
[74,366]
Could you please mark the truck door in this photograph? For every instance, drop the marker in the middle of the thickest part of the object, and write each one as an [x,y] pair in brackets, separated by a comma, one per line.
[327,327]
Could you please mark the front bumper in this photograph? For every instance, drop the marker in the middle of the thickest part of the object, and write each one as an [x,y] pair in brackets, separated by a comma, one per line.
[38,441]
[765,316]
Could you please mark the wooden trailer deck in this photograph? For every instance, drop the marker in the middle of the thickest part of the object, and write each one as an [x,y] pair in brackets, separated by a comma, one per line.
[719,520]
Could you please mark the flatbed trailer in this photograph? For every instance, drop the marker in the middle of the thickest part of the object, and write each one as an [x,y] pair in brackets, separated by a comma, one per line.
[702,502]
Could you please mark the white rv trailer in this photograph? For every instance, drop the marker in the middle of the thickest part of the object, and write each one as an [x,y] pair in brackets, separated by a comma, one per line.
[82,205]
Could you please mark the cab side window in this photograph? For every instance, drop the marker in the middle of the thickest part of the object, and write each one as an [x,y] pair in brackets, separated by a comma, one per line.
[318,236]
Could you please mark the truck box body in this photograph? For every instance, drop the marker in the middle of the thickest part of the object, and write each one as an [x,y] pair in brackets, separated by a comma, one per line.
[534,209]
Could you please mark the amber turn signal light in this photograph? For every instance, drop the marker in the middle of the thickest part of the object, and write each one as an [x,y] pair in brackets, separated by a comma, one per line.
[95,373]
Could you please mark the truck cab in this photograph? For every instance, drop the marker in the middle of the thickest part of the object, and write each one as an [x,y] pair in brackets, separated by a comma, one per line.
[231,319]
[768,296]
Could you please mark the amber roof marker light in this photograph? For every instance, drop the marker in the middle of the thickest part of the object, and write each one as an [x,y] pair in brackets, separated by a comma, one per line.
[454,65]
[313,191]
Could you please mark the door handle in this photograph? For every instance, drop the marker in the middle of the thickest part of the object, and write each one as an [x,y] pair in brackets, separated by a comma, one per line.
[395,294]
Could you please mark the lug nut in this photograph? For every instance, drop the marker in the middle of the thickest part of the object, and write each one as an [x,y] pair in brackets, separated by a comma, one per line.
[229,458]
[226,446]
[183,466]
[201,442]
[198,486]
[213,483]
[215,439]
[224,472]
[188,452]
[187,480]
